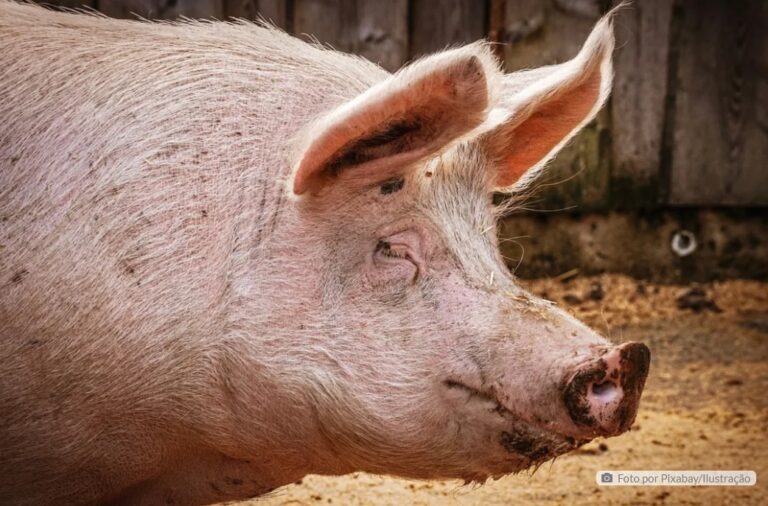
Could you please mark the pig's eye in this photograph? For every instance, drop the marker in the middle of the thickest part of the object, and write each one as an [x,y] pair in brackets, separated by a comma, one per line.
[387,249]
[394,259]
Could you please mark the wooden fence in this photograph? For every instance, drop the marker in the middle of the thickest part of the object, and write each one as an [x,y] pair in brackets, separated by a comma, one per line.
[688,120]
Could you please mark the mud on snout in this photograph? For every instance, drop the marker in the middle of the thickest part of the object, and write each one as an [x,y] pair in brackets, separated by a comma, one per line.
[602,397]
[599,398]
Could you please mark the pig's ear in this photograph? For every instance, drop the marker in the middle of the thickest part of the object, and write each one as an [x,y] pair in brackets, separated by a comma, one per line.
[413,114]
[544,108]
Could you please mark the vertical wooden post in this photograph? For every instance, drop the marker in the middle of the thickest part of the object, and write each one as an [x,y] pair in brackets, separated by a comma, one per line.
[638,101]
[496,22]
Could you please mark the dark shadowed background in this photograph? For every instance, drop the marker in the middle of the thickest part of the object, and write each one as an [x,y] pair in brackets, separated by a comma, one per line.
[669,183]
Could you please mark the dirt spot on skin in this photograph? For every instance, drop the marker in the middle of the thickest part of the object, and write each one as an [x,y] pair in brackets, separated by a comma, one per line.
[704,407]
[522,444]
[392,186]
[19,276]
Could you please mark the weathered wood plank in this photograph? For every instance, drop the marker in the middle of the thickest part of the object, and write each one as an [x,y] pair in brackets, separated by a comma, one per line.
[437,25]
[274,11]
[382,32]
[162,9]
[638,101]
[547,32]
[371,28]
[320,20]
[720,141]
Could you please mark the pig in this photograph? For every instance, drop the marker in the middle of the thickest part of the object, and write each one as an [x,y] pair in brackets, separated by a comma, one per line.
[230,258]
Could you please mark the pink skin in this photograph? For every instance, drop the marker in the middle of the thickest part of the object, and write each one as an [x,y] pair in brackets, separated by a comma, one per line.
[481,365]
[231,259]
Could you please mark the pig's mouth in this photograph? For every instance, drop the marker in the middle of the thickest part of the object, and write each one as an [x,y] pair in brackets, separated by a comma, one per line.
[529,444]
[599,398]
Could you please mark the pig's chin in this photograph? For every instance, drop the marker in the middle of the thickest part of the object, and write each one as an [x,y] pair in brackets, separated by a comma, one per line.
[503,442]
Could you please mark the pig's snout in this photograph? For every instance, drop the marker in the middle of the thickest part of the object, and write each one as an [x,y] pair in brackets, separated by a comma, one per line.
[602,396]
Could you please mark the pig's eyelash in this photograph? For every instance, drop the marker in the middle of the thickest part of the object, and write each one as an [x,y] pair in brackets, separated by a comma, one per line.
[386,249]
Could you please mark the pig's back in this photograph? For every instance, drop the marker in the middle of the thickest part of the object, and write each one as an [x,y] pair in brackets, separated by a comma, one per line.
[116,205]
[135,157]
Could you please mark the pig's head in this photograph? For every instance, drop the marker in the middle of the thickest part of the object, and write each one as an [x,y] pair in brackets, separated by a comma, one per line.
[418,351]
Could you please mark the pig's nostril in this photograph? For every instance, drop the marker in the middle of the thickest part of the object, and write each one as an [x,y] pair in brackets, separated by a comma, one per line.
[605,392]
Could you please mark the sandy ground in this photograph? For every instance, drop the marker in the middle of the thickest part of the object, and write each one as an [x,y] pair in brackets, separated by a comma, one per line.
[705,405]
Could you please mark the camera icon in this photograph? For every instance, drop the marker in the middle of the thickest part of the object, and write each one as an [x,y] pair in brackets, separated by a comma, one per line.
[606,478]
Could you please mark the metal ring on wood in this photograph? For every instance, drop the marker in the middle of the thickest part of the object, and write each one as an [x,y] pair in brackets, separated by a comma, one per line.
[684,243]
